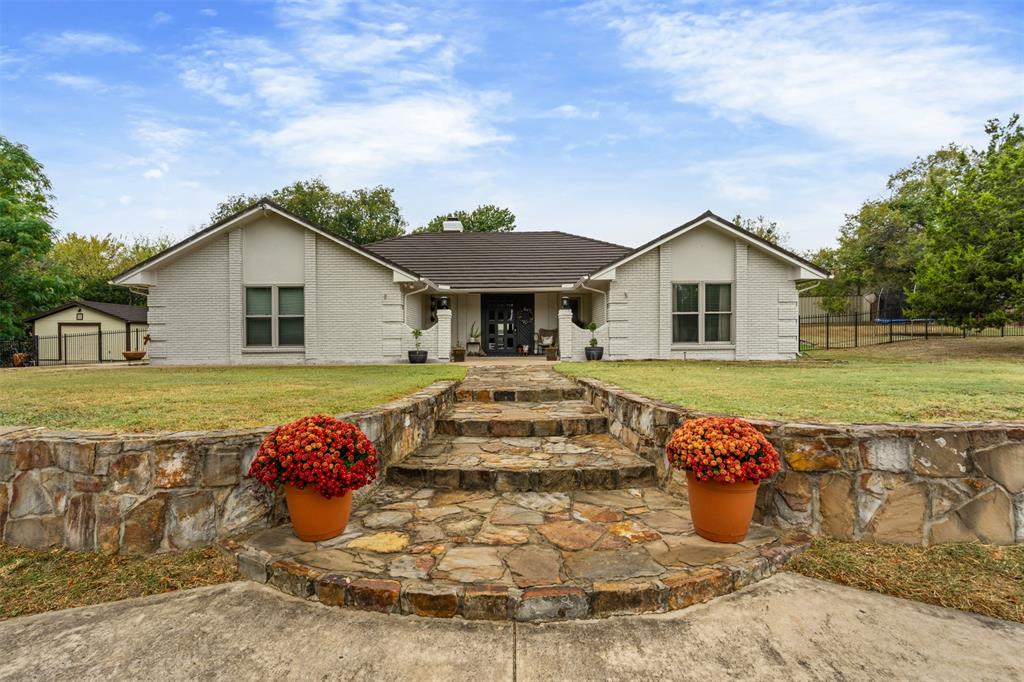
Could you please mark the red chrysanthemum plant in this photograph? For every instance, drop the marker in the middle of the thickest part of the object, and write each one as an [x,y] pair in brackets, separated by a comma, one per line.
[722,449]
[330,455]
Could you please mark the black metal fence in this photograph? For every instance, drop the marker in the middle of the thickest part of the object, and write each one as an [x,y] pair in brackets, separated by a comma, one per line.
[853,331]
[71,349]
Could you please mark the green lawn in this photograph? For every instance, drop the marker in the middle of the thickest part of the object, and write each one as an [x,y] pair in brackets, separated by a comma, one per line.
[935,380]
[186,398]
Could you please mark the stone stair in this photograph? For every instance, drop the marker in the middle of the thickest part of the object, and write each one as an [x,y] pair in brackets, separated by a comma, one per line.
[522,419]
[522,506]
[540,463]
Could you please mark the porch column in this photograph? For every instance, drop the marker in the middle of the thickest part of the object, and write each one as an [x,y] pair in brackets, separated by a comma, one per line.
[444,334]
[565,341]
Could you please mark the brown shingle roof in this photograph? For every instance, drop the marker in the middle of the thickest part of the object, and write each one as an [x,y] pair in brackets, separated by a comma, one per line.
[498,260]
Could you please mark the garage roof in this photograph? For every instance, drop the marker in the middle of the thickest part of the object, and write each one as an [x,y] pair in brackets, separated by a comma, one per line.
[128,313]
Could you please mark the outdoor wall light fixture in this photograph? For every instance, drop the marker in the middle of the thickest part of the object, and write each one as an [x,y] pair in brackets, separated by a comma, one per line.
[565,303]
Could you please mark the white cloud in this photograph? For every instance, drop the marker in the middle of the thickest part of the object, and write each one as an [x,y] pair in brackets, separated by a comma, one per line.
[852,73]
[235,70]
[76,82]
[84,41]
[354,137]
[286,86]
[299,11]
[161,18]
[364,51]
[208,80]
[163,142]
[124,199]
[572,111]
[208,12]
[153,174]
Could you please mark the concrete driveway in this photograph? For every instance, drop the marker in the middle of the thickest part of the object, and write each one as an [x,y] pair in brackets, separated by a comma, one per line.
[785,628]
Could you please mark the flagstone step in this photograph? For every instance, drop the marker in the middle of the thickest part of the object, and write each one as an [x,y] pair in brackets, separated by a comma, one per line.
[516,383]
[552,463]
[528,556]
[564,418]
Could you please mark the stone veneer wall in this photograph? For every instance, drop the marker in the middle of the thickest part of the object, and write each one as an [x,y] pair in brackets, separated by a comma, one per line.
[914,483]
[140,493]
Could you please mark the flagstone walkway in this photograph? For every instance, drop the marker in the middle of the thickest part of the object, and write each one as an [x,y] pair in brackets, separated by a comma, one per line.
[520,510]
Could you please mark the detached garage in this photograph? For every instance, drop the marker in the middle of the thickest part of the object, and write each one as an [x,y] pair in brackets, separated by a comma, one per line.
[79,332]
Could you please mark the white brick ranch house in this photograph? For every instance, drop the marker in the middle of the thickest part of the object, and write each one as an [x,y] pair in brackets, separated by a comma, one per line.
[265,286]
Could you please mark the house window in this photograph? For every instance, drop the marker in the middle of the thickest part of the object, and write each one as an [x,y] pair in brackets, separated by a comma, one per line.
[274,316]
[701,310]
[291,320]
[717,313]
[685,313]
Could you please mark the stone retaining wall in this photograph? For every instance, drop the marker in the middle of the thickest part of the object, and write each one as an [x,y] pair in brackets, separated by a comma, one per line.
[140,493]
[915,483]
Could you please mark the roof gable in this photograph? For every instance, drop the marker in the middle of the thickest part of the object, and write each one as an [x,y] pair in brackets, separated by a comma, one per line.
[261,207]
[708,217]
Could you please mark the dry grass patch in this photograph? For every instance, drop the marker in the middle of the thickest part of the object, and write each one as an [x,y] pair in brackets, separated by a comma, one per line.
[984,579]
[33,581]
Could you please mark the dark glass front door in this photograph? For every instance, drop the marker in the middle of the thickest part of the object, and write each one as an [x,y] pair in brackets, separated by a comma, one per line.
[507,323]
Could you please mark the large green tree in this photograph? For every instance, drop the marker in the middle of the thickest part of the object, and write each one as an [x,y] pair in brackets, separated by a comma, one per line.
[486,218]
[972,270]
[362,215]
[90,262]
[26,235]
[881,244]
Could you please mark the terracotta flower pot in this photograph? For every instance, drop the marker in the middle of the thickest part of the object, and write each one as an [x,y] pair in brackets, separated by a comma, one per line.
[721,511]
[314,517]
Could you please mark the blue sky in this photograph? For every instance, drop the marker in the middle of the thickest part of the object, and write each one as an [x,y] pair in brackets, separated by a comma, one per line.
[617,120]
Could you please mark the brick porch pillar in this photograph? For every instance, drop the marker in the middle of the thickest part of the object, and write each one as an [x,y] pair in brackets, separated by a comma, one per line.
[565,341]
[444,334]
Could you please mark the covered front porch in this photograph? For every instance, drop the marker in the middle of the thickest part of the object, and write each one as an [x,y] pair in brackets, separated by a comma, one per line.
[509,324]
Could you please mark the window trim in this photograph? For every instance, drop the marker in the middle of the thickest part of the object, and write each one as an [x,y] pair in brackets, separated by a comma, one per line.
[702,313]
[274,318]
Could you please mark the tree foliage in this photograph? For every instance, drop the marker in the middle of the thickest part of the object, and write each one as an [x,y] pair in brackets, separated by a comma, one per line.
[881,244]
[485,218]
[26,235]
[767,230]
[89,262]
[362,216]
[972,267]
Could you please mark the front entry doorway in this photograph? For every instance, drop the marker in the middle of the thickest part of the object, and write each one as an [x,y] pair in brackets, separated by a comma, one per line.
[507,323]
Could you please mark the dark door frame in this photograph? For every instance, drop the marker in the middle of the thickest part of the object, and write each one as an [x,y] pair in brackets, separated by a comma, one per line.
[523,316]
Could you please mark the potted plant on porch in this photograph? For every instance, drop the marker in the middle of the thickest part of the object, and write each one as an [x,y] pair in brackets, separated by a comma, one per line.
[459,353]
[551,352]
[725,460]
[417,357]
[593,351]
[319,461]
[473,347]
